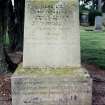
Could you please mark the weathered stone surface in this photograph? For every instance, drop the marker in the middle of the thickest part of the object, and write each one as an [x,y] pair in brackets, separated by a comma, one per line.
[98,23]
[52,74]
[51,35]
[51,87]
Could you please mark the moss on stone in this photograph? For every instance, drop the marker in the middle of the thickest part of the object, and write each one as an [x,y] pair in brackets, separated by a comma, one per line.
[56,72]
[44,2]
[52,2]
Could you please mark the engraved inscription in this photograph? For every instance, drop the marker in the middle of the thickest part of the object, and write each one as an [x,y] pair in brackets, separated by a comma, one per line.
[50,33]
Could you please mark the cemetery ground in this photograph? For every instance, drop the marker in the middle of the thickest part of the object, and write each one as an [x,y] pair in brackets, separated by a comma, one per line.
[93,58]
[93,47]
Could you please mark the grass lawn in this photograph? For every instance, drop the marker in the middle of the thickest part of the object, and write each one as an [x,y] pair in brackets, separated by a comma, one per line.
[93,48]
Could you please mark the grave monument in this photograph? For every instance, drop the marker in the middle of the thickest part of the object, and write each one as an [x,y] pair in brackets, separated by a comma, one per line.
[84,19]
[98,23]
[51,73]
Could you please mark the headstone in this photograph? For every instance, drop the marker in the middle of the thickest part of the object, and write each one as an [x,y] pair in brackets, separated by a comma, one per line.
[51,72]
[84,19]
[98,23]
[50,38]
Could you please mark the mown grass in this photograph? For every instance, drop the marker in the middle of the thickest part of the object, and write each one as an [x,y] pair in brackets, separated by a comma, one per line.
[93,48]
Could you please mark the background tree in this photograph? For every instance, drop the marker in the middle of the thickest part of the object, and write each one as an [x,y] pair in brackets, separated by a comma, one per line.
[3,29]
[96,4]
[19,22]
[6,13]
[94,7]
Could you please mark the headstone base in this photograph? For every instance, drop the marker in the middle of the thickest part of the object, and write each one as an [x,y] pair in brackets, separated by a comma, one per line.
[50,86]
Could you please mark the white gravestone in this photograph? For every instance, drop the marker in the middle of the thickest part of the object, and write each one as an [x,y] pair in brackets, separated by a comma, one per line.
[98,23]
[51,35]
[51,72]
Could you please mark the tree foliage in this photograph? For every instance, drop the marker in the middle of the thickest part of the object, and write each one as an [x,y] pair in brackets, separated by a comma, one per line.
[95,4]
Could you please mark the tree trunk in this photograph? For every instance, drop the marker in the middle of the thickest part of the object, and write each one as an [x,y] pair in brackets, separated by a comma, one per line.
[3,27]
[3,63]
[100,5]
[11,25]
[103,7]
[19,11]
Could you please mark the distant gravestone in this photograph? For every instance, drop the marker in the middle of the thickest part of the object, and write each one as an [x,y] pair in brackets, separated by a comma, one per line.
[98,23]
[84,19]
[51,72]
